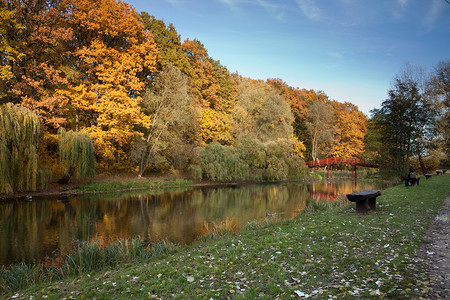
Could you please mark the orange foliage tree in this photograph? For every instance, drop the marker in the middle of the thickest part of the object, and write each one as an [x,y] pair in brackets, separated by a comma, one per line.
[215,90]
[168,42]
[111,57]
[350,127]
[34,38]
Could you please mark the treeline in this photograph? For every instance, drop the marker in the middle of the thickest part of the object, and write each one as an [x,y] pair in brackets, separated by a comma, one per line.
[412,127]
[148,101]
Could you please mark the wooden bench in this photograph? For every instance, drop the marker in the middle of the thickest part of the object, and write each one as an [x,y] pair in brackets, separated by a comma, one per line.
[414,180]
[428,176]
[365,200]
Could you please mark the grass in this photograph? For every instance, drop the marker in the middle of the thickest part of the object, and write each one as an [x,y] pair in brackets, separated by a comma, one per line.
[88,257]
[119,185]
[326,252]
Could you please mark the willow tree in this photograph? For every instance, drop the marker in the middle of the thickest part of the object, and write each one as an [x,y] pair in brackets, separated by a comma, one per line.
[76,152]
[19,133]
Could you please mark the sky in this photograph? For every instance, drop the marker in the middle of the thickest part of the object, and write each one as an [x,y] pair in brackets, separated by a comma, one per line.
[350,49]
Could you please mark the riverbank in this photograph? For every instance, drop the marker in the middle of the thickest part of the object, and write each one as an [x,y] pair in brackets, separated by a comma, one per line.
[324,251]
[123,183]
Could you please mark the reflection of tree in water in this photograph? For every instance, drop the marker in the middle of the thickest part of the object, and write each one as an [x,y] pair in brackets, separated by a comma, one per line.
[331,190]
[32,230]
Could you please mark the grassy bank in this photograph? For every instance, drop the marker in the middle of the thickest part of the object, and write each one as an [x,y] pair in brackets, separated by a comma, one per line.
[121,185]
[324,251]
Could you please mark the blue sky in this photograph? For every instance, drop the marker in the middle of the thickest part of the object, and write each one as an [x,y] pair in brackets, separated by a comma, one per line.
[350,49]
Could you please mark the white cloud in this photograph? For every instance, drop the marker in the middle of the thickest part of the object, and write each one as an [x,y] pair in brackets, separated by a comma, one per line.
[310,9]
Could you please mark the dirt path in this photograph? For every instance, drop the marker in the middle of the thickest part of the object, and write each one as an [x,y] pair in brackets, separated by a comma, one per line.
[436,254]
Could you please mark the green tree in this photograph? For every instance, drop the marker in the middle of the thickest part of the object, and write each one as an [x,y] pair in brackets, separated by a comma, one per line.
[19,134]
[439,88]
[261,112]
[407,119]
[173,117]
[373,145]
[221,162]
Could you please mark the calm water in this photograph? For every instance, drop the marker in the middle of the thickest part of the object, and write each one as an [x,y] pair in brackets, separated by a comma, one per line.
[40,228]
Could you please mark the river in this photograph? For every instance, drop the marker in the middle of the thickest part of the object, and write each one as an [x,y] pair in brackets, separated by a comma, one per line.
[39,229]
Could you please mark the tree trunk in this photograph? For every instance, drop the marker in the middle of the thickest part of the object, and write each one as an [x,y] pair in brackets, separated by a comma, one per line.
[422,165]
[144,160]
[65,179]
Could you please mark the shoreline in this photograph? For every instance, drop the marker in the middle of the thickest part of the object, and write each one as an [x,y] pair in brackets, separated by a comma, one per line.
[285,259]
[72,189]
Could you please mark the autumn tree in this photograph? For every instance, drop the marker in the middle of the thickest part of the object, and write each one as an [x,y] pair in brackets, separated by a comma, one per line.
[9,48]
[34,35]
[295,98]
[168,43]
[214,91]
[173,120]
[319,125]
[308,97]
[350,127]
[111,57]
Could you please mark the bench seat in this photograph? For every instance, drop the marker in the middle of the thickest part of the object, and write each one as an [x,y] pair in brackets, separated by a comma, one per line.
[365,200]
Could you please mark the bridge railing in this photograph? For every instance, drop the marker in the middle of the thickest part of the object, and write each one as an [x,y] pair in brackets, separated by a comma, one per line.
[338,161]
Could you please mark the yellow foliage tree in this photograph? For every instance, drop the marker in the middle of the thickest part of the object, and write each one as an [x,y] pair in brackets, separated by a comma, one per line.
[112,56]
[350,127]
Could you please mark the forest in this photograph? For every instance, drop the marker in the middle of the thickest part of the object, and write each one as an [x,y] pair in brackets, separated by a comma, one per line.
[93,87]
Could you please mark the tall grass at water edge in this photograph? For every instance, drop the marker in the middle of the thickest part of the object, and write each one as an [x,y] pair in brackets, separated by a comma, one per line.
[88,257]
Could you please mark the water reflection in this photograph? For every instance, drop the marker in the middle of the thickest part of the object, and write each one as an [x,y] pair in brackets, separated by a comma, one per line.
[31,231]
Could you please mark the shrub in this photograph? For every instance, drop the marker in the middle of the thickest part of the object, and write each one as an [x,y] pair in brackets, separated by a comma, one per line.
[250,158]
[220,163]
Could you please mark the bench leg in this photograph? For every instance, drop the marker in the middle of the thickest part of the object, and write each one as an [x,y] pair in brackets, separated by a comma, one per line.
[372,203]
[362,207]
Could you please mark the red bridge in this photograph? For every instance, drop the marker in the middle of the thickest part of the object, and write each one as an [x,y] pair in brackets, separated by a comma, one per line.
[332,161]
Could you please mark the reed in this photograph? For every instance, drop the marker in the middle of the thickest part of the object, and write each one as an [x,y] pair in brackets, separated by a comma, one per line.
[162,248]
[215,230]
[20,276]
[87,258]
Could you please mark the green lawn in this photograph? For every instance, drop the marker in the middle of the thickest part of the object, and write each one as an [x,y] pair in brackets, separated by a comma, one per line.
[323,253]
